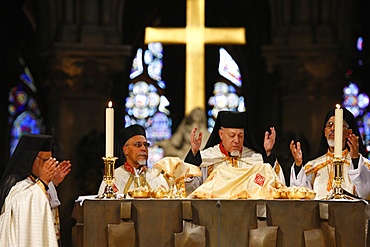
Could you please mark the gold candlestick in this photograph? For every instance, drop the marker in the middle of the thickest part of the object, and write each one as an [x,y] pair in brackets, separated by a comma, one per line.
[108,178]
[338,178]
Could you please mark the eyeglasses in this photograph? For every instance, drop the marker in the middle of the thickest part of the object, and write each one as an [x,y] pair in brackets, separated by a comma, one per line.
[139,144]
[330,125]
[43,159]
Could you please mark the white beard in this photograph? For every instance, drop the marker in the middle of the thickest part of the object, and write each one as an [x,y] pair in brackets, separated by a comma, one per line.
[330,142]
[142,162]
[235,154]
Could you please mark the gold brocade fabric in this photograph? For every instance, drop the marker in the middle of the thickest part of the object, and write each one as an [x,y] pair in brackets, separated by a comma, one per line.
[328,165]
[226,182]
[177,169]
[231,161]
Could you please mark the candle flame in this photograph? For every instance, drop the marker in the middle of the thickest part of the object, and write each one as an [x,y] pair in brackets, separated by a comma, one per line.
[110,104]
[337,106]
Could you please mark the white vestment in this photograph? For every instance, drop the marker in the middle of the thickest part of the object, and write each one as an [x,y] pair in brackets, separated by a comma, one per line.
[121,175]
[318,175]
[26,218]
[249,180]
[214,156]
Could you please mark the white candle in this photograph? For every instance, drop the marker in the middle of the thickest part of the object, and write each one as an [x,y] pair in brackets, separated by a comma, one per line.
[109,130]
[338,132]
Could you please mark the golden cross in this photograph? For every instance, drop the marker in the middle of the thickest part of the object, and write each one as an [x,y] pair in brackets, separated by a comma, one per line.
[195,35]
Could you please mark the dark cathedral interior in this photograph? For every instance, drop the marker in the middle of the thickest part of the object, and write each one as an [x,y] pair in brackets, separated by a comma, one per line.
[298,57]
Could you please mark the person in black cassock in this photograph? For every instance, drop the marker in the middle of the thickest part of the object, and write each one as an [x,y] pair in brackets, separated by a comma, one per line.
[231,137]
[318,173]
[28,198]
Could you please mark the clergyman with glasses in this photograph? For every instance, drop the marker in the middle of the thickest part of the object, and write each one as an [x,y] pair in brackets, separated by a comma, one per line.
[318,173]
[134,172]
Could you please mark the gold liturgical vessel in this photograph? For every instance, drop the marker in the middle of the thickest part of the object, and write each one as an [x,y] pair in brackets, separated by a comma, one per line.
[338,180]
[108,178]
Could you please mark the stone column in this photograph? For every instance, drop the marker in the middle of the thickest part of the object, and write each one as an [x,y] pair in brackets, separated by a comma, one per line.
[310,52]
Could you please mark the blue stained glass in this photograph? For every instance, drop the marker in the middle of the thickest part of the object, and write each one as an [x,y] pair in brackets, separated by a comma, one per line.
[228,68]
[145,104]
[148,57]
[351,89]
[232,89]
[241,107]
[354,102]
[24,114]
[225,96]
[359,43]
[363,100]
[350,100]
[155,69]
[26,122]
[358,103]
[152,111]
[152,88]
[156,49]
[162,84]
[137,65]
[26,76]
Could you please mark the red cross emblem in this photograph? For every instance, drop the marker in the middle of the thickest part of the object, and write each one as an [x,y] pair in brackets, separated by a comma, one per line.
[259,179]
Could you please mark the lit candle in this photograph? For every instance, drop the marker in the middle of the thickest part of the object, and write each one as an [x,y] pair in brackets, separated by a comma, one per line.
[338,132]
[109,130]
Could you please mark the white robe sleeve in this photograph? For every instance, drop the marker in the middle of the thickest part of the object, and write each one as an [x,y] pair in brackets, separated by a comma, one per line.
[27,218]
[301,179]
[360,177]
[279,172]
[101,188]
[54,200]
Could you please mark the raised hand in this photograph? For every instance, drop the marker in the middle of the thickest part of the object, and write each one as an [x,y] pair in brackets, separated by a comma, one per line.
[47,170]
[269,140]
[352,142]
[195,141]
[296,153]
[61,171]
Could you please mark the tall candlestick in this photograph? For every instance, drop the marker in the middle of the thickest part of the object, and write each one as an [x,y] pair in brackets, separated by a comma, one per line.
[109,130]
[338,132]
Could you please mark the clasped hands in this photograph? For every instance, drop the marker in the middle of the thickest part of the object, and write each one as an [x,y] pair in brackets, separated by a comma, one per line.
[52,170]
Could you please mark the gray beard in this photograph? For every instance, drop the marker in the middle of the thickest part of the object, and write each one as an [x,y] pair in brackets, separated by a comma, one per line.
[235,154]
[142,162]
[330,142]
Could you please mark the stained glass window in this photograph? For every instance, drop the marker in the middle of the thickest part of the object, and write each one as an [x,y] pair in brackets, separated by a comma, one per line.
[146,103]
[357,103]
[353,100]
[226,92]
[24,112]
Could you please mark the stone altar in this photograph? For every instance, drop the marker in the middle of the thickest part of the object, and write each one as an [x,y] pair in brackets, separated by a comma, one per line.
[165,222]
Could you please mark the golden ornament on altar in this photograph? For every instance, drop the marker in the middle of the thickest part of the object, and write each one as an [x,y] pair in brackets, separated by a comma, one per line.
[294,193]
[139,192]
[161,192]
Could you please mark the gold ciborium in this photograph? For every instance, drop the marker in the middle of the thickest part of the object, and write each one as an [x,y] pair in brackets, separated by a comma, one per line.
[108,178]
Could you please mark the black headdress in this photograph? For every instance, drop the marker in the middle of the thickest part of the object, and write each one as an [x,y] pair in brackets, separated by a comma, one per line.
[124,135]
[229,119]
[20,163]
[129,132]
